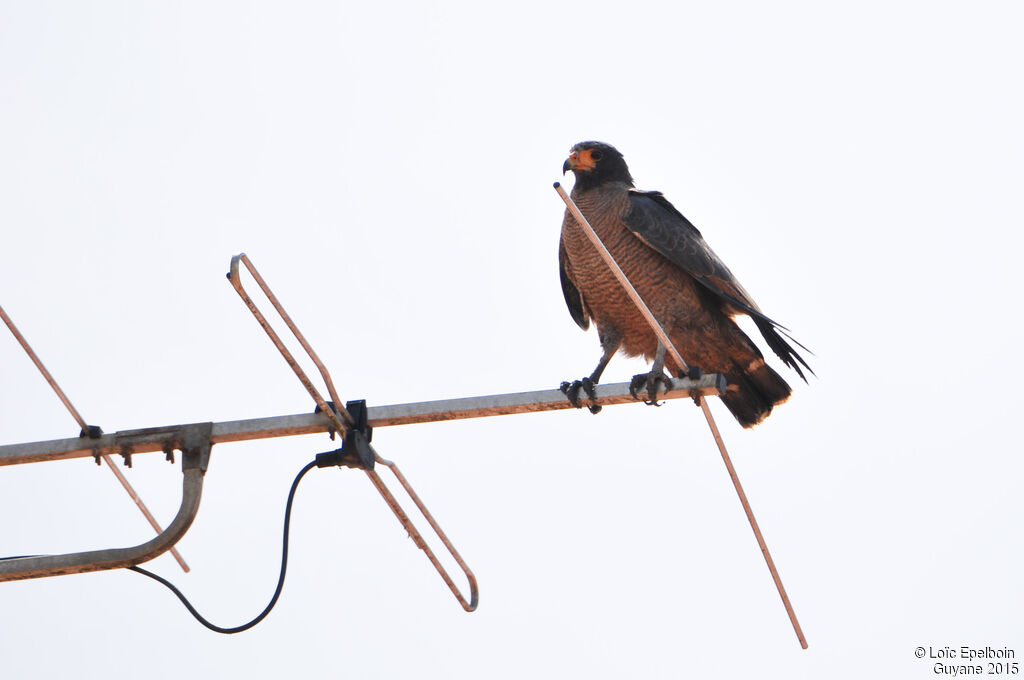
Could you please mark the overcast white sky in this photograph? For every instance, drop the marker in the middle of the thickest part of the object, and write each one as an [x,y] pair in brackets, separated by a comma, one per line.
[388,167]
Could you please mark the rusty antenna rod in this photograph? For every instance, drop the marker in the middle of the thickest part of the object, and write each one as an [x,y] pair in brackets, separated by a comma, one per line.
[85,432]
[342,420]
[664,339]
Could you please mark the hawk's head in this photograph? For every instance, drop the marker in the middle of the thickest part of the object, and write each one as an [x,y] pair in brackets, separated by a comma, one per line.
[596,163]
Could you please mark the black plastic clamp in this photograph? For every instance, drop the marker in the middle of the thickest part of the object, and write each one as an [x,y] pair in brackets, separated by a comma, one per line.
[693,373]
[355,451]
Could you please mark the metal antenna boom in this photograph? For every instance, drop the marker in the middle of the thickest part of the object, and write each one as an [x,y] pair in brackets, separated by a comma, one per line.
[153,439]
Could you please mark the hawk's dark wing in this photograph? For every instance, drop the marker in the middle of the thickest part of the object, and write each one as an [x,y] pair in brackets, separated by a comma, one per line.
[573,298]
[657,223]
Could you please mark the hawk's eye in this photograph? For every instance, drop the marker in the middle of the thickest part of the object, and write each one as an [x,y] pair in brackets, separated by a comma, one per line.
[596,155]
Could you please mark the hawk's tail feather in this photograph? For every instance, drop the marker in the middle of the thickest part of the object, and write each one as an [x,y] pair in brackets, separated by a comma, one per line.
[751,393]
[782,348]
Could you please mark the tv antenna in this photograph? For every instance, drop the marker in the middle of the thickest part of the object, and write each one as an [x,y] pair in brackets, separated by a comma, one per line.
[354,421]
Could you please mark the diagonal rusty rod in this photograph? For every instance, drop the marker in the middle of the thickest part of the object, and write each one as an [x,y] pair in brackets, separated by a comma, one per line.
[42,369]
[753,522]
[621,277]
[85,428]
[664,339]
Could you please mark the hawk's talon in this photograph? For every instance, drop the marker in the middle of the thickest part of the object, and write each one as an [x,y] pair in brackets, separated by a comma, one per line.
[589,386]
[650,381]
[572,392]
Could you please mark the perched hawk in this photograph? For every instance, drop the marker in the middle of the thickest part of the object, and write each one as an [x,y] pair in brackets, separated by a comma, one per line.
[687,287]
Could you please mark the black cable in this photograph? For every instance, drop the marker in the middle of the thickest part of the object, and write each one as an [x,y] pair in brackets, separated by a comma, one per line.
[280,580]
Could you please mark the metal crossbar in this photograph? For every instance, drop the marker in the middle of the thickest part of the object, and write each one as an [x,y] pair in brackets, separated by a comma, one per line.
[152,440]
